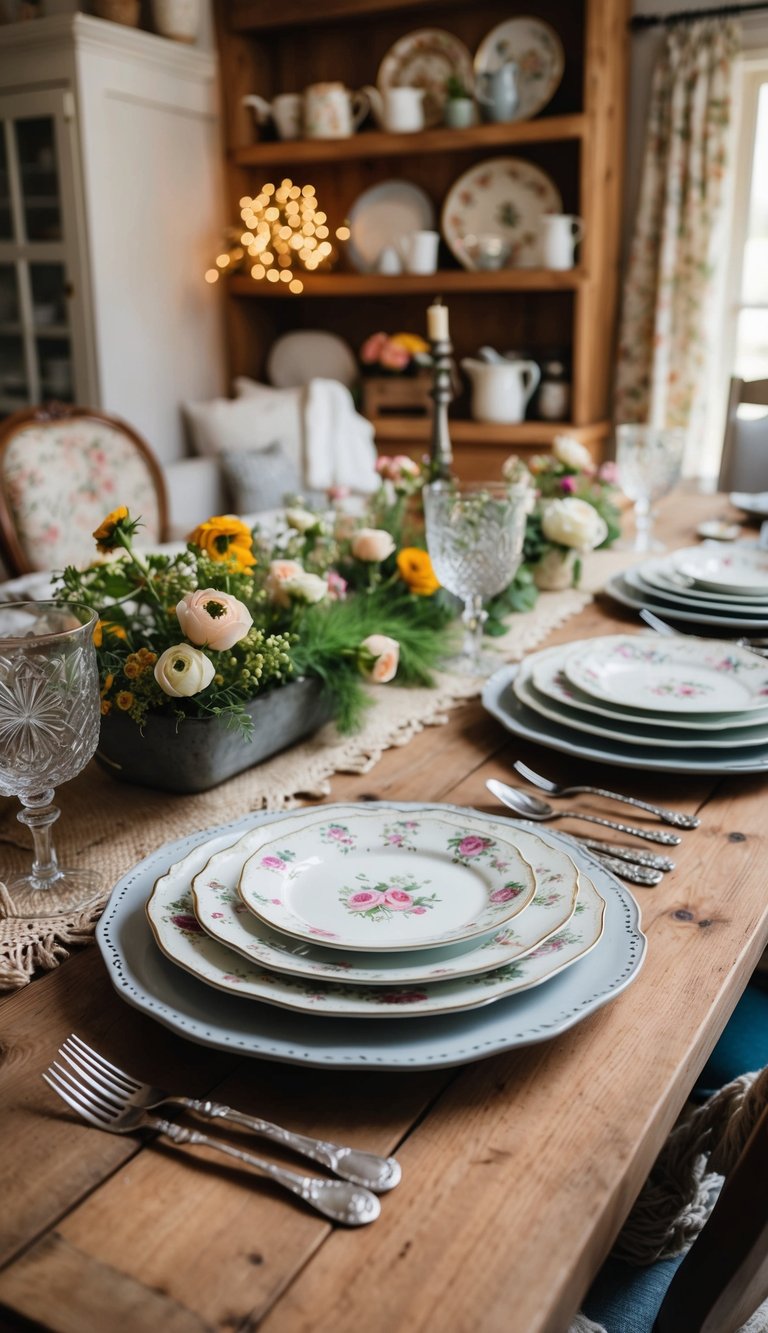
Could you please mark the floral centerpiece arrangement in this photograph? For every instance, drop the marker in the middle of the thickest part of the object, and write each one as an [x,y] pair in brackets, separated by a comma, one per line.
[395,354]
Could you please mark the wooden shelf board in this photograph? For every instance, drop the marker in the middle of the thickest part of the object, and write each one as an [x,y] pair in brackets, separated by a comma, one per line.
[418,429]
[253,15]
[380,143]
[449,280]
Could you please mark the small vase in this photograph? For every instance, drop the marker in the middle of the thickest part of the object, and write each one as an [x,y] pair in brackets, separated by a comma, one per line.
[177,19]
[460,113]
[119,11]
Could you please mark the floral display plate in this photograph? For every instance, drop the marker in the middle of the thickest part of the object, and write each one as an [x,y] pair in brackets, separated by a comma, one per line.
[148,981]
[739,569]
[368,882]
[180,937]
[681,592]
[427,59]
[500,700]
[503,196]
[222,915]
[669,675]
[381,216]
[536,49]
[545,670]
[620,590]
[646,733]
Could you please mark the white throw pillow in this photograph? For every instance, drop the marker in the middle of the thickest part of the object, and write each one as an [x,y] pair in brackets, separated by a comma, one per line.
[248,423]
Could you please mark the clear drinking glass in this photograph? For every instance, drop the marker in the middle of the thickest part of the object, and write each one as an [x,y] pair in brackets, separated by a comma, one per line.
[49,728]
[649,460]
[475,534]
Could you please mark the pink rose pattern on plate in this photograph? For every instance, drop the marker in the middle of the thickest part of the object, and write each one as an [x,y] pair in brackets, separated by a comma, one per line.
[339,836]
[378,902]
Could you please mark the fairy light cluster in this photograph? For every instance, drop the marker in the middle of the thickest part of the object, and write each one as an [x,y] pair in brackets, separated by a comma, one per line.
[284,231]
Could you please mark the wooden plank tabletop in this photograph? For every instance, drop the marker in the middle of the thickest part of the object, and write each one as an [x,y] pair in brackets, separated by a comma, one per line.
[517,1171]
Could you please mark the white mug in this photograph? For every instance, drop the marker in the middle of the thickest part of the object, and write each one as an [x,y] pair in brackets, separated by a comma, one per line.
[331,111]
[389,261]
[559,235]
[419,251]
[286,110]
[399,110]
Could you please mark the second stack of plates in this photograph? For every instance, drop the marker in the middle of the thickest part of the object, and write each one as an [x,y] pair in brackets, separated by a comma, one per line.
[725,588]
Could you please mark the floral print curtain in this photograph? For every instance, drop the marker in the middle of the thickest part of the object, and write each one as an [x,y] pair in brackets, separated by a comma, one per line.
[666,322]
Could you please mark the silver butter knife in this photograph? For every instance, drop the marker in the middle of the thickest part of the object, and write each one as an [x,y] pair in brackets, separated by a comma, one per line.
[635,874]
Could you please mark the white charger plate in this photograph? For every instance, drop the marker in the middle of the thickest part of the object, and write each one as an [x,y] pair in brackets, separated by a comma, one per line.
[680,675]
[222,915]
[621,592]
[537,51]
[740,570]
[149,982]
[500,700]
[409,884]
[381,216]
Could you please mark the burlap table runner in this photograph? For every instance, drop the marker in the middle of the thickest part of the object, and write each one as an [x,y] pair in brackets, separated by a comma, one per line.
[125,823]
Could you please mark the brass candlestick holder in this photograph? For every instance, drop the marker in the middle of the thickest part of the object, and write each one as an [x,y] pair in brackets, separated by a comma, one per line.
[441,453]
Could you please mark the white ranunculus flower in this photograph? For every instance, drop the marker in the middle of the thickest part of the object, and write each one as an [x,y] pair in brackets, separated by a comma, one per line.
[305,587]
[572,453]
[183,670]
[301,519]
[573,522]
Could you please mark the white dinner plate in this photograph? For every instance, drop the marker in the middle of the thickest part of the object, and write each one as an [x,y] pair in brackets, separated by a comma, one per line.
[427,58]
[309,354]
[618,588]
[739,570]
[223,915]
[145,979]
[550,681]
[503,196]
[381,216]
[500,700]
[669,675]
[754,503]
[535,49]
[694,599]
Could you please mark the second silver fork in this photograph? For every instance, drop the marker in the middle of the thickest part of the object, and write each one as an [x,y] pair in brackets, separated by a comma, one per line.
[119,1088]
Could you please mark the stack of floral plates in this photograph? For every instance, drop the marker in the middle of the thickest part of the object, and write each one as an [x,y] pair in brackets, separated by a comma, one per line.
[683,703]
[725,588]
[274,933]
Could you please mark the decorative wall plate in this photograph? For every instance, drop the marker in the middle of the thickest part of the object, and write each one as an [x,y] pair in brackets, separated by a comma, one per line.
[223,915]
[503,196]
[537,51]
[681,675]
[427,59]
[368,883]
[381,216]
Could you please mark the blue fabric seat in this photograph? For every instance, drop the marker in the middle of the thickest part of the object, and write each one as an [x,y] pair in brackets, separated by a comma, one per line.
[742,1048]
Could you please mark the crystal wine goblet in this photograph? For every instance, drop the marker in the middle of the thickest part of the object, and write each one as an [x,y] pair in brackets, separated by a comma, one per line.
[475,534]
[49,728]
[649,460]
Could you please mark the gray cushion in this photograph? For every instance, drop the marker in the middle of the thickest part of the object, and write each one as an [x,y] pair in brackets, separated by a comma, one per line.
[258,479]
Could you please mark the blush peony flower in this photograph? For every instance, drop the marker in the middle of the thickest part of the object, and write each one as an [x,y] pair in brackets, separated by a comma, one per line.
[394,357]
[372,348]
[573,522]
[182,671]
[213,618]
[372,545]
[281,573]
[379,658]
[572,453]
[397,467]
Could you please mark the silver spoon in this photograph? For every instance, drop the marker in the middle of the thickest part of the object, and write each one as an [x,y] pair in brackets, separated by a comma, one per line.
[530,807]
[674,817]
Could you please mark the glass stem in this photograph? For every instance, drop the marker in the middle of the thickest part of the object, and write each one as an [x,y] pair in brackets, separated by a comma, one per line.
[474,617]
[39,815]
[643,524]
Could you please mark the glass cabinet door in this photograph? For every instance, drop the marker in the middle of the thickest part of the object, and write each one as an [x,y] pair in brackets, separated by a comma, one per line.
[39,351]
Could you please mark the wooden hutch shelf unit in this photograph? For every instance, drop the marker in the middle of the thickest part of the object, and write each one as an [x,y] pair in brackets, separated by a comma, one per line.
[578,139]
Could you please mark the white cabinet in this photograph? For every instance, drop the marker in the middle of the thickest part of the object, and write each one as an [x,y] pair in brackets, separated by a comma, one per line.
[109,215]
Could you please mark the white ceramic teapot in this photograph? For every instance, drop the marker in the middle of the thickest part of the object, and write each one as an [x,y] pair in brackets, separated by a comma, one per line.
[501,390]
[399,110]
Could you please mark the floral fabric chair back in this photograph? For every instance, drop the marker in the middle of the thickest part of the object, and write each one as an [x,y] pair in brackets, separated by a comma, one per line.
[60,473]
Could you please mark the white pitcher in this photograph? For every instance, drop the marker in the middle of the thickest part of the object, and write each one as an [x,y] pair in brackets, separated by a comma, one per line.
[559,235]
[418,250]
[399,110]
[501,390]
[331,111]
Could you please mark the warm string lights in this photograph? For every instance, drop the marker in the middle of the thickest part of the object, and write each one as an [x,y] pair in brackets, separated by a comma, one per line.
[284,231]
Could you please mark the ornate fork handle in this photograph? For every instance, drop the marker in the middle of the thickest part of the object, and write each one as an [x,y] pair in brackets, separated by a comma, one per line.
[635,873]
[337,1199]
[637,856]
[669,839]
[362,1168]
[674,817]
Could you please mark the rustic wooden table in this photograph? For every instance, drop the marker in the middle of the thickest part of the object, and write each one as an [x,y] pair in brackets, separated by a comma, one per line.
[517,1171]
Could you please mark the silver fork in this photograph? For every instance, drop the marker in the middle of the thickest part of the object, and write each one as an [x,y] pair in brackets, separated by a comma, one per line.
[674,817]
[336,1199]
[115,1087]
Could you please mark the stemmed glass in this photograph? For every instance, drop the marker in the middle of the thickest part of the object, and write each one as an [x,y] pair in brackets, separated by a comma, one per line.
[649,460]
[49,728]
[475,534]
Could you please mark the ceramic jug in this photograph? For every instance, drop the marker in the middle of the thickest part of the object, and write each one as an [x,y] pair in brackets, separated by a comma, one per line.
[418,251]
[501,390]
[399,110]
[559,235]
[497,92]
[286,110]
[331,111]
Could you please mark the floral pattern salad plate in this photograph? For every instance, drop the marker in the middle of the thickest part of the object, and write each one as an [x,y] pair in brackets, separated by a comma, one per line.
[536,49]
[503,196]
[742,570]
[681,675]
[370,882]
[223,915]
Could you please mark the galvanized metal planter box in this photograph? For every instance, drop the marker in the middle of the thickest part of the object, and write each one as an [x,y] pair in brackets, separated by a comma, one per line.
[201,753]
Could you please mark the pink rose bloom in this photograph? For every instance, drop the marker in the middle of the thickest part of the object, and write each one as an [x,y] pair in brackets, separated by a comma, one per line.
[420,911]
[398,900]
[403,997]
[372,348]
[363,899]
[372,545]
[213,618]
[273,863]
[568,484]
[385,653]
[395,468]
[336,493]
[336,832]
[472,845]
[393,357]
[608,472]
[187,922]
[504,895]
[337,586]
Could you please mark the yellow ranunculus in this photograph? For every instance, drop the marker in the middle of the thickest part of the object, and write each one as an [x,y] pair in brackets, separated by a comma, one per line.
[103,627]
[104,536]
[415,567]
[226,539]
[410,342]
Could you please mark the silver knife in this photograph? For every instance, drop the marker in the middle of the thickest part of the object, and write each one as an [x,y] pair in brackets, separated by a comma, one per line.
[636,855]
[634,873]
